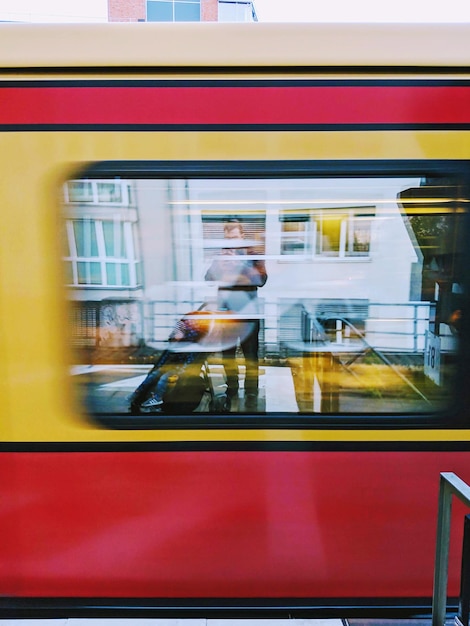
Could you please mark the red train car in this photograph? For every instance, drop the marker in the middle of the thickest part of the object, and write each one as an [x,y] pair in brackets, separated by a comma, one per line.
[302,192]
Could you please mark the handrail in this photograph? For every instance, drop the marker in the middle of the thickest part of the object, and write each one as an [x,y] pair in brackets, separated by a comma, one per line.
[450,485]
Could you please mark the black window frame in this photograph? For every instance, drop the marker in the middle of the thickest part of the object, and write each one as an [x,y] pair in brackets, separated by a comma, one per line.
[452,417]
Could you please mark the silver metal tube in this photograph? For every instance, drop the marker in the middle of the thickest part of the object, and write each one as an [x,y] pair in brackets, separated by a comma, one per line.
[450,485]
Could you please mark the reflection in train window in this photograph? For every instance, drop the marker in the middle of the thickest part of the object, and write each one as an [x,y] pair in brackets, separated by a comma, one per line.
[245,296]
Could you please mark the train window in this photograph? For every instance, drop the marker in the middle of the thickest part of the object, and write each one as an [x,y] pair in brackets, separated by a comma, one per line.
[264,296]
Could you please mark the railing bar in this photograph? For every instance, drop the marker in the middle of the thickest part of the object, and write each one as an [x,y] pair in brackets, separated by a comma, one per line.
[464,604]
[449,485]
[458,487]
[439,601]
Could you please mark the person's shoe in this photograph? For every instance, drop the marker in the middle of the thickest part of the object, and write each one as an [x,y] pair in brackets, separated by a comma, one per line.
[251,401]
[152,403]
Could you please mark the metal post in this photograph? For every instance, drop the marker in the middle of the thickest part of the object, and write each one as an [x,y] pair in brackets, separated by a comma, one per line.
[450,485]
[441,565]
[464,601]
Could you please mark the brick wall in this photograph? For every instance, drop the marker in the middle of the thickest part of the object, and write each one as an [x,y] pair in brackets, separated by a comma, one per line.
[209,11]
[126,10]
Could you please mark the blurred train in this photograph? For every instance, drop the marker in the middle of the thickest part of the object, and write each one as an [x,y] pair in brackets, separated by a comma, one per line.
[342,156]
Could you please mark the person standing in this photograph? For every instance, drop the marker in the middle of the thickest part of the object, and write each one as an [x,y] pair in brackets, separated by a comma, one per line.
[239,277]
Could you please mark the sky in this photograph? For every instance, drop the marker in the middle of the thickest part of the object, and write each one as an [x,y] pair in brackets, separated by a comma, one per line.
[267,10]
[54,10]
[363,10]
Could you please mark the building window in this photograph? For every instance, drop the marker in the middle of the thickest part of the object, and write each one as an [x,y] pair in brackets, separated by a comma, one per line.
[101,253]
[78,191]
[336,232]
[98,192]
[343,234]
[295,234]
[236,11]
[173,10]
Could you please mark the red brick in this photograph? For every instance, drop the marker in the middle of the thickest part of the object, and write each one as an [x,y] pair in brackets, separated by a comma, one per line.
[209,11]
[126,10]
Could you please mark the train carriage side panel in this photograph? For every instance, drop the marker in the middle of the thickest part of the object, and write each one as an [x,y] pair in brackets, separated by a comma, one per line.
[317,506]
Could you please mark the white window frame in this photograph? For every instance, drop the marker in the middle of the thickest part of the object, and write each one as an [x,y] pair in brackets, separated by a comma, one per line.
[124,190]
[130,260]
[312,235]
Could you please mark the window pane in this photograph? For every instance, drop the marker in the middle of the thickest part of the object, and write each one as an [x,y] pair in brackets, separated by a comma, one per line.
[109,192]
[125,275]
[329,234]
[95,273]
[114,240]
[235,12]
[159,11]
[359,236]
[82,273]
[85,238]
[111,274]
[80,191]
[89,273]
[187,12]
[109,240]
[294,235]
[294,296]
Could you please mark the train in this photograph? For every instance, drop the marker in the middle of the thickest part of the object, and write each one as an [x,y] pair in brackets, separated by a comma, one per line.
[301,194]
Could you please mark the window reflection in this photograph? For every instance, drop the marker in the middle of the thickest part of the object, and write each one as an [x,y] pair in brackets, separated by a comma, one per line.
[315,295]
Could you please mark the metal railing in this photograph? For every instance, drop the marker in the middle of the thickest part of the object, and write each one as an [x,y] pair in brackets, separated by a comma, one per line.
[450,485]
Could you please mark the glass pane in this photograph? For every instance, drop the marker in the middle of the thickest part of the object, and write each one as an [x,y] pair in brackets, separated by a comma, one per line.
[82,273]
[294,236]
[366,321]
[187,12]
[95,273]
[85,238]
[109,192]
[125,280]
[80,191]
[114,239]
[235,12]
[159,11]
[89,273]
[111,274]
[358,235]
[109,239]
[329,239]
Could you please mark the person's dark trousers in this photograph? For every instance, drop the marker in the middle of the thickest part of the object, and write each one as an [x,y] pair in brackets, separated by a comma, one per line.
[250,346]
